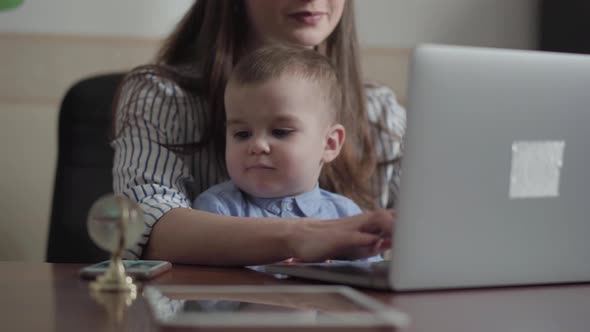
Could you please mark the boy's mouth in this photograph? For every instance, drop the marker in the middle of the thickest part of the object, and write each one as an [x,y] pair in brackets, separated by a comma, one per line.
[259,166]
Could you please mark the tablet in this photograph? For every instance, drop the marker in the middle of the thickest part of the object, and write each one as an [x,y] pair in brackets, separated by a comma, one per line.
[268,306]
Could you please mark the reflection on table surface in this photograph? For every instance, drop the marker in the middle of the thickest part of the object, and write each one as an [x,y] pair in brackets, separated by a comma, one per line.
[52,297]
[269,305]
[320,301]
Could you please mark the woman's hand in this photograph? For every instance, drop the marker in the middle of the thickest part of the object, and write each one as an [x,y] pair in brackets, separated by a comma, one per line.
[360,236]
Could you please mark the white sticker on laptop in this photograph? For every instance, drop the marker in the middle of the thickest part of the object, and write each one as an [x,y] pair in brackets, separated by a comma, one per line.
[536,168]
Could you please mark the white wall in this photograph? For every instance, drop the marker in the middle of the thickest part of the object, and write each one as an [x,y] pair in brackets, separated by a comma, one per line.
[404,23]
[127,18]
[387,23]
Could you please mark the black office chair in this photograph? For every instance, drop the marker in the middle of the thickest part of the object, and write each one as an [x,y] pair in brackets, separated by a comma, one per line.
[83,168]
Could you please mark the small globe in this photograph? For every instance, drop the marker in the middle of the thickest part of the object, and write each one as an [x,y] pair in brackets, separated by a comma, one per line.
[106,217]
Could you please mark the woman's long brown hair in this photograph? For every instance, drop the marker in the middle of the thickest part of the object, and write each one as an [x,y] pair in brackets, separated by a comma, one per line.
[206,44]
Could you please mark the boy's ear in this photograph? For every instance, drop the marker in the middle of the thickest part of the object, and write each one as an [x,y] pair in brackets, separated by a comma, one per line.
[334,140]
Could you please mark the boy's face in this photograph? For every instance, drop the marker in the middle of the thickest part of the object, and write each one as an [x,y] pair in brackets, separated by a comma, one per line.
[279,134]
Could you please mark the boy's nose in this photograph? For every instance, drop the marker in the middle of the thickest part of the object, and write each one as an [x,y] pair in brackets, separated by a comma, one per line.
[259,145]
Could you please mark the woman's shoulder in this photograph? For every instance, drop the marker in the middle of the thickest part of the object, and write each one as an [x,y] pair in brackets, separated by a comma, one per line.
[152,94]
[375,89]
[156,80]
[158,87]
[383,107]
[381,94]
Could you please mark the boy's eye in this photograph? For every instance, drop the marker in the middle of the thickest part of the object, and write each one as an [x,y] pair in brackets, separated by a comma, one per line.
[241,135]
[281,132]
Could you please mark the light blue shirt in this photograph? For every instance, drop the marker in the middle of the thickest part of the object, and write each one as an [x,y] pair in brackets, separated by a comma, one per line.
[227,199]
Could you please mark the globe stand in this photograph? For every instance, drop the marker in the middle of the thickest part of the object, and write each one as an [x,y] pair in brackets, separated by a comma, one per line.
[114,279]
[115,223]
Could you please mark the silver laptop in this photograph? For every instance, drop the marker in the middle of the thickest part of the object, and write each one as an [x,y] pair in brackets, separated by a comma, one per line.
[495,185]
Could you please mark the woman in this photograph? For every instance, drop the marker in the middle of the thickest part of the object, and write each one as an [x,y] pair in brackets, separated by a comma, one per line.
[169,146]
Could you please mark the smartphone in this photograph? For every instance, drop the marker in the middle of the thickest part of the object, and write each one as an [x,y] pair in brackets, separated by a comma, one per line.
[138,269]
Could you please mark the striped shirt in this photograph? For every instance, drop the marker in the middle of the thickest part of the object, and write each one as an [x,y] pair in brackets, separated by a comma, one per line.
[154,112]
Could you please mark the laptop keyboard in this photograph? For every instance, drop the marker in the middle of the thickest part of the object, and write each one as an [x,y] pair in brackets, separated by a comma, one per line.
[374,269]
[364,274]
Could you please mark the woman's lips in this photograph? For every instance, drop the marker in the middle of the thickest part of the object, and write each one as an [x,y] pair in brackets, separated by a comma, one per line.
[308,18]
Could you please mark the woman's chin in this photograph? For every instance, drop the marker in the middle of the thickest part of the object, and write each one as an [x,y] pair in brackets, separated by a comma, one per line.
[307,39]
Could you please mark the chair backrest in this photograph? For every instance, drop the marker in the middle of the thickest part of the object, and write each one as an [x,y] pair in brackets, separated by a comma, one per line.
[83,168]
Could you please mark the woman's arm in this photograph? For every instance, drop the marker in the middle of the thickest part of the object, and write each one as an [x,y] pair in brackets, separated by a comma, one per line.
[198,237]
[152,112]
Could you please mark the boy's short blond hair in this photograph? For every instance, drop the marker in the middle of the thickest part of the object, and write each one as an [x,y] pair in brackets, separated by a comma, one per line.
[273,62]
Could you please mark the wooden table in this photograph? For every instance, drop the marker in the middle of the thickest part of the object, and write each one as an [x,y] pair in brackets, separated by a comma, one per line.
[51,297]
